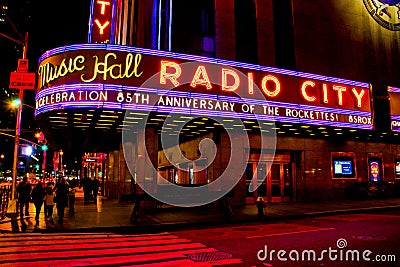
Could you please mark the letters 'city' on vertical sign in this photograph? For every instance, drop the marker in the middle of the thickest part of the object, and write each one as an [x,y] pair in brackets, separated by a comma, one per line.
[101,21]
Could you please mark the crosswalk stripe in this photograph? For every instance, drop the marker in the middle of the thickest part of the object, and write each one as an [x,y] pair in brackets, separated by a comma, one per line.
[93,252]
[46,236]
[148,250]
[97,243]
[103,260]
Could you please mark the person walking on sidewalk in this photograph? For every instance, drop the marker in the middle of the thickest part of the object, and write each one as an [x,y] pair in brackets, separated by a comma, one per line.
[87,190]
[48,202]
[24,196]
[62,190]
[95,188]
[37,196]
[71,199]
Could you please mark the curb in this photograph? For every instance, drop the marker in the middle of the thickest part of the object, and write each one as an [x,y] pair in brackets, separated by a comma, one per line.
[162,227]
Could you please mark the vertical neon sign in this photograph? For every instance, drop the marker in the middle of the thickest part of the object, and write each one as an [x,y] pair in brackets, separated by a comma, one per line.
[394,96]
[101,24]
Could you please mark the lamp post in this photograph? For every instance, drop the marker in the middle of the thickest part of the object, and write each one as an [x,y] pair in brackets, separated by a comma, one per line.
[2,164]
[16,145]
[61,158]
[18,123]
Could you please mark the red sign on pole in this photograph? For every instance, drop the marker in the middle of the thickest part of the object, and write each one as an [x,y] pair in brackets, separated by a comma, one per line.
[22,65]
[22,80]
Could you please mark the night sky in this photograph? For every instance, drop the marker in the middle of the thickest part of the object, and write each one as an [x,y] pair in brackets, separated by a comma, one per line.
[49,24]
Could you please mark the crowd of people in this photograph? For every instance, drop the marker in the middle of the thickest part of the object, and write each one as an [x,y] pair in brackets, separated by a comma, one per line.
[59,195]
[90,189]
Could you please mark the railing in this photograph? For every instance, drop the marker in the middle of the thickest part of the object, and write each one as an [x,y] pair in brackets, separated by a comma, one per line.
[5,195]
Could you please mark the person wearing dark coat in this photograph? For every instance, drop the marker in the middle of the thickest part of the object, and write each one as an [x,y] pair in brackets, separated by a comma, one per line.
[37,195]
[62,190]
[95,187]
[24,196]
[87,189]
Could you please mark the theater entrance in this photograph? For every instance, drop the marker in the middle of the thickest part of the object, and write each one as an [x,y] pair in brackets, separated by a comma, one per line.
[276,178]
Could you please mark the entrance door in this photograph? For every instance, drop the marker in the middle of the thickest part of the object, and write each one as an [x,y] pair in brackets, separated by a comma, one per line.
[257,173]
[275,181]
[276,185]
[281,180]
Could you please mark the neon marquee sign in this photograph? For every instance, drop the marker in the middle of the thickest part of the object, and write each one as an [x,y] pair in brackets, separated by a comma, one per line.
[111,76]
[101,21]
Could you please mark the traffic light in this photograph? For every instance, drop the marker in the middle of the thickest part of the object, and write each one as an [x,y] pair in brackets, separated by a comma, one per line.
[16,103]
[26,150]
[44,147]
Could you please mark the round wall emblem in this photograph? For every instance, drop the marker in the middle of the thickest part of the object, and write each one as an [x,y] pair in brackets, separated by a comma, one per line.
[385,12]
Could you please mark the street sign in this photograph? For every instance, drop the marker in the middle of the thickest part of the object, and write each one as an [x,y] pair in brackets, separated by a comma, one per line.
[22,65]
[22,80]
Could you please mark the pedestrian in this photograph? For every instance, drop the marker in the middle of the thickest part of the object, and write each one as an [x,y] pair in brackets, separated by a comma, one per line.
[71,199]
[48,201]
[95,188]
[24,196]
[37,196]
[260,206]
[86,189]
[61,191]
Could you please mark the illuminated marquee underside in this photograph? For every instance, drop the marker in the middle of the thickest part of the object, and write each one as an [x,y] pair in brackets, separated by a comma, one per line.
[112,77]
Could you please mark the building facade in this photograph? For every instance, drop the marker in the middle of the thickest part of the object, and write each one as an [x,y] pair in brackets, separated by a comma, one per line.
[311,86]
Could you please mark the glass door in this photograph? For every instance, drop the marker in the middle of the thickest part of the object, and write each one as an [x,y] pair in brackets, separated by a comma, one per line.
[287,182]
[276,185]
[281,182]
[249,177]
[258,174]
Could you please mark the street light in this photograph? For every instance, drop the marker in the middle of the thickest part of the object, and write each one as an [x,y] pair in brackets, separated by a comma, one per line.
[17,102]
[1,164]
[61,156]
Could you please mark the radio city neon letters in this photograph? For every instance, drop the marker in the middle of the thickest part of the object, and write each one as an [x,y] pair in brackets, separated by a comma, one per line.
[270,84]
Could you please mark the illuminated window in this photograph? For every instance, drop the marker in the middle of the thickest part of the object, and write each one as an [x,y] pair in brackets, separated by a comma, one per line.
[397,168]
[343,165]
[375,170]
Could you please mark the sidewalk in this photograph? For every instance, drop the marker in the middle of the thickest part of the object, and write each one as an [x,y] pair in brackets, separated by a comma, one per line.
[111,216]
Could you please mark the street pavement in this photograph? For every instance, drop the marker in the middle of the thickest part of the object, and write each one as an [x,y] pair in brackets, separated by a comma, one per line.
[110,215]
[101,234]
